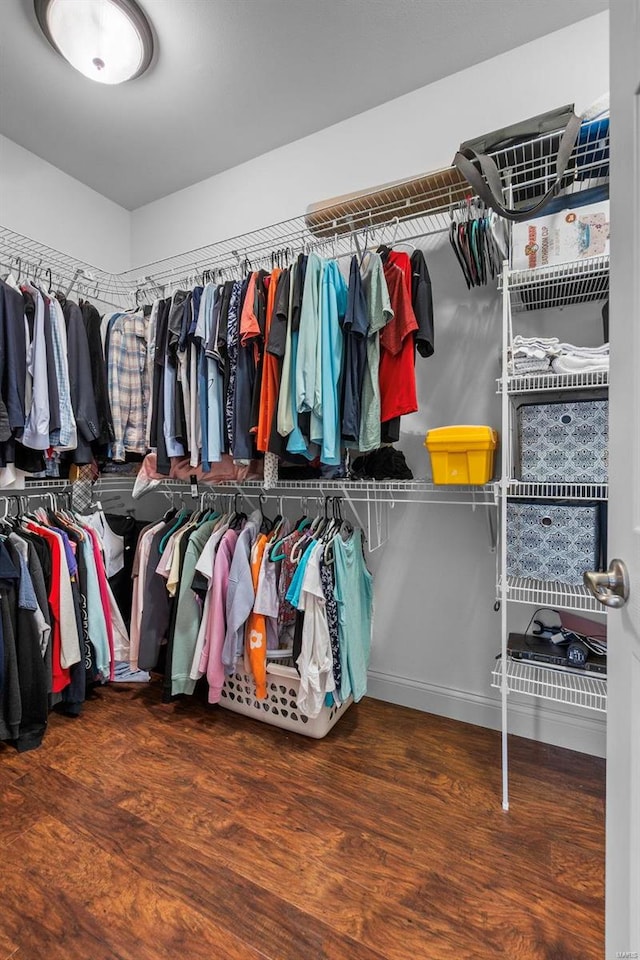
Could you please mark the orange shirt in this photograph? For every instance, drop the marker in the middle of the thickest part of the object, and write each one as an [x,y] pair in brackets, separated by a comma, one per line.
[270,373]
[255,637]
[249,327]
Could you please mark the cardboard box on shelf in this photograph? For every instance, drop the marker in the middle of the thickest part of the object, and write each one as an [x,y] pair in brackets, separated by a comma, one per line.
[563,237]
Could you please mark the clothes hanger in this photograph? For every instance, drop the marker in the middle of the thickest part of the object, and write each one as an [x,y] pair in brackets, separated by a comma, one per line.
[299,548]
[453,240]
[267,524]
[180,521]
[275,553]
[238,517]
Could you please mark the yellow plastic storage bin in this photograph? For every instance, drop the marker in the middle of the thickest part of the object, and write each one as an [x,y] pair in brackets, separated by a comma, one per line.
[461,454]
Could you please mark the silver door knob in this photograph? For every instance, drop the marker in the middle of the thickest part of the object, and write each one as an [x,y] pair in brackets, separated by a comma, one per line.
[610,588]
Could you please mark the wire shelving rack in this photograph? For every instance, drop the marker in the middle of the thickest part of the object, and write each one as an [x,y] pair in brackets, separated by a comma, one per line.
[586,690]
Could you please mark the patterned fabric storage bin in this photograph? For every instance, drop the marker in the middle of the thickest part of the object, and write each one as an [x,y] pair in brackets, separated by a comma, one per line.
[564,442]
[556,542]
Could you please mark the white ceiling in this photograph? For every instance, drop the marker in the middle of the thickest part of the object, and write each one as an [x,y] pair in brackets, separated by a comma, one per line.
[236,78]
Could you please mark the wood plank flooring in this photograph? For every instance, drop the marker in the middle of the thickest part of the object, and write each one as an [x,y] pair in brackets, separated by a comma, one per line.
[143,831]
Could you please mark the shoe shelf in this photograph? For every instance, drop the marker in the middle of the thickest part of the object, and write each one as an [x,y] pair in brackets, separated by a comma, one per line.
[586,690]
[555,382]
[558,491]
[543,593]
[581,281]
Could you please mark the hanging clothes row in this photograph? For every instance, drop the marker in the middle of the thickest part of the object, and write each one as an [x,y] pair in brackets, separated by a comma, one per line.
[300,362]
[219,593]
[54,399]
[61,628]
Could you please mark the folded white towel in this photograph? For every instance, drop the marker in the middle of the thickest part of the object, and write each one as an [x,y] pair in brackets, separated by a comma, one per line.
[536,353]
[570,364]
[571,350]
[535,341]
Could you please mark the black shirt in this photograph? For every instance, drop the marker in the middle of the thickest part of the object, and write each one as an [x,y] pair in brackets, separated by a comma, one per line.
[422,303]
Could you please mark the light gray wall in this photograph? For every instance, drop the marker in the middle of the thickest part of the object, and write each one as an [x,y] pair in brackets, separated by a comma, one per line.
[402,138]
[47,205]
[436,633]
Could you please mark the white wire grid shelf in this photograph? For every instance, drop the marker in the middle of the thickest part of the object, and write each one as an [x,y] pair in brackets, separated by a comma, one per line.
[412,208]
[555,382]
[558,491]
[579,690]
[412,491]
[532,168]
[581,281]
[402,217]
[542,593]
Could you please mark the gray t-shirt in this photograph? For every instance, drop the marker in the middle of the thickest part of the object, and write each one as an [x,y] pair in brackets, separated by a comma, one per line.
[380,313]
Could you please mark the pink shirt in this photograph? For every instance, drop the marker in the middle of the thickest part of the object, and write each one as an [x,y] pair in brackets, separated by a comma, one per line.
[211,657]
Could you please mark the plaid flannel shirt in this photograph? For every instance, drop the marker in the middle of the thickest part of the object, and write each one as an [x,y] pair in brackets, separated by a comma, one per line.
[128,386]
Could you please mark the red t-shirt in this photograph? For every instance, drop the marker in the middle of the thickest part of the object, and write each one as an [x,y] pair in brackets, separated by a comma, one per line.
[60,675]
[397,375]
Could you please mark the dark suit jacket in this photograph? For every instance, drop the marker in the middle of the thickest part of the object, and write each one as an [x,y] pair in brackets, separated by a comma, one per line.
[82,397]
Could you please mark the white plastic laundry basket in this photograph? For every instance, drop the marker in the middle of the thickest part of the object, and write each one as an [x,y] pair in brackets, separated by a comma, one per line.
[280,707]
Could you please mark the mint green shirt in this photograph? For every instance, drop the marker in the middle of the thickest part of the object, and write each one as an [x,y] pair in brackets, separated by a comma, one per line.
[380,313]
[188,614]
[354,596]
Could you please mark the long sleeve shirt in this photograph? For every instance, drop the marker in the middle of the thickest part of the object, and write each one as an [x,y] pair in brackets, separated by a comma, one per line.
[127,375]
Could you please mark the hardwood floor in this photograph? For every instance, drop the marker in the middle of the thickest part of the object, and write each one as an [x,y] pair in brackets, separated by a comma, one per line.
[149,831]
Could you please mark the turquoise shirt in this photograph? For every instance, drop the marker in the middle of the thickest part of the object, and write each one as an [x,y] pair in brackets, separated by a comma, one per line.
[308,356]
[295,587]
[325,419]
[354,596]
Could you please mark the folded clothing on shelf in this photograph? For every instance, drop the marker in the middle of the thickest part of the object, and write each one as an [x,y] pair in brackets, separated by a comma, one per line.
[548,354]
[571,349]
[387,463]
[536,348]
[570,363]
[532,366]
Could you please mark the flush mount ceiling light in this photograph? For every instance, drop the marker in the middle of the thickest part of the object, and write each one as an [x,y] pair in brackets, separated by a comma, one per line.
[109,41]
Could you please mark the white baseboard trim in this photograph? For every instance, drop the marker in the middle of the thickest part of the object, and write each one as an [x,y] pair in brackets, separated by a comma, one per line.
[528,716]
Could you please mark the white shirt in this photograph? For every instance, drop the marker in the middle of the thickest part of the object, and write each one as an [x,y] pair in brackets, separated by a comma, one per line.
[112,544]
[315,662]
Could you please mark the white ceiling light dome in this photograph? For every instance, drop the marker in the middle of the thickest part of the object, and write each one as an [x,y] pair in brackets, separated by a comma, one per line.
[109,41]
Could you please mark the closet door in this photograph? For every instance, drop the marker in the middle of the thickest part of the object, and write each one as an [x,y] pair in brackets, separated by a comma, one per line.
[623,720]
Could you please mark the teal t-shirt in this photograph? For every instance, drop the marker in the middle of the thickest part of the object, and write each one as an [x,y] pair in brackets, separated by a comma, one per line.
[354,596]
[325,419]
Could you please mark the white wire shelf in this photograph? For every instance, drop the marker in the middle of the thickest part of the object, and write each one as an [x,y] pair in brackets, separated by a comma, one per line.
[558,491]
[411,491]
[586,690]
[555,382]
[531,165]
[413,208]
[581,281]
[417,208]
[542,593]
